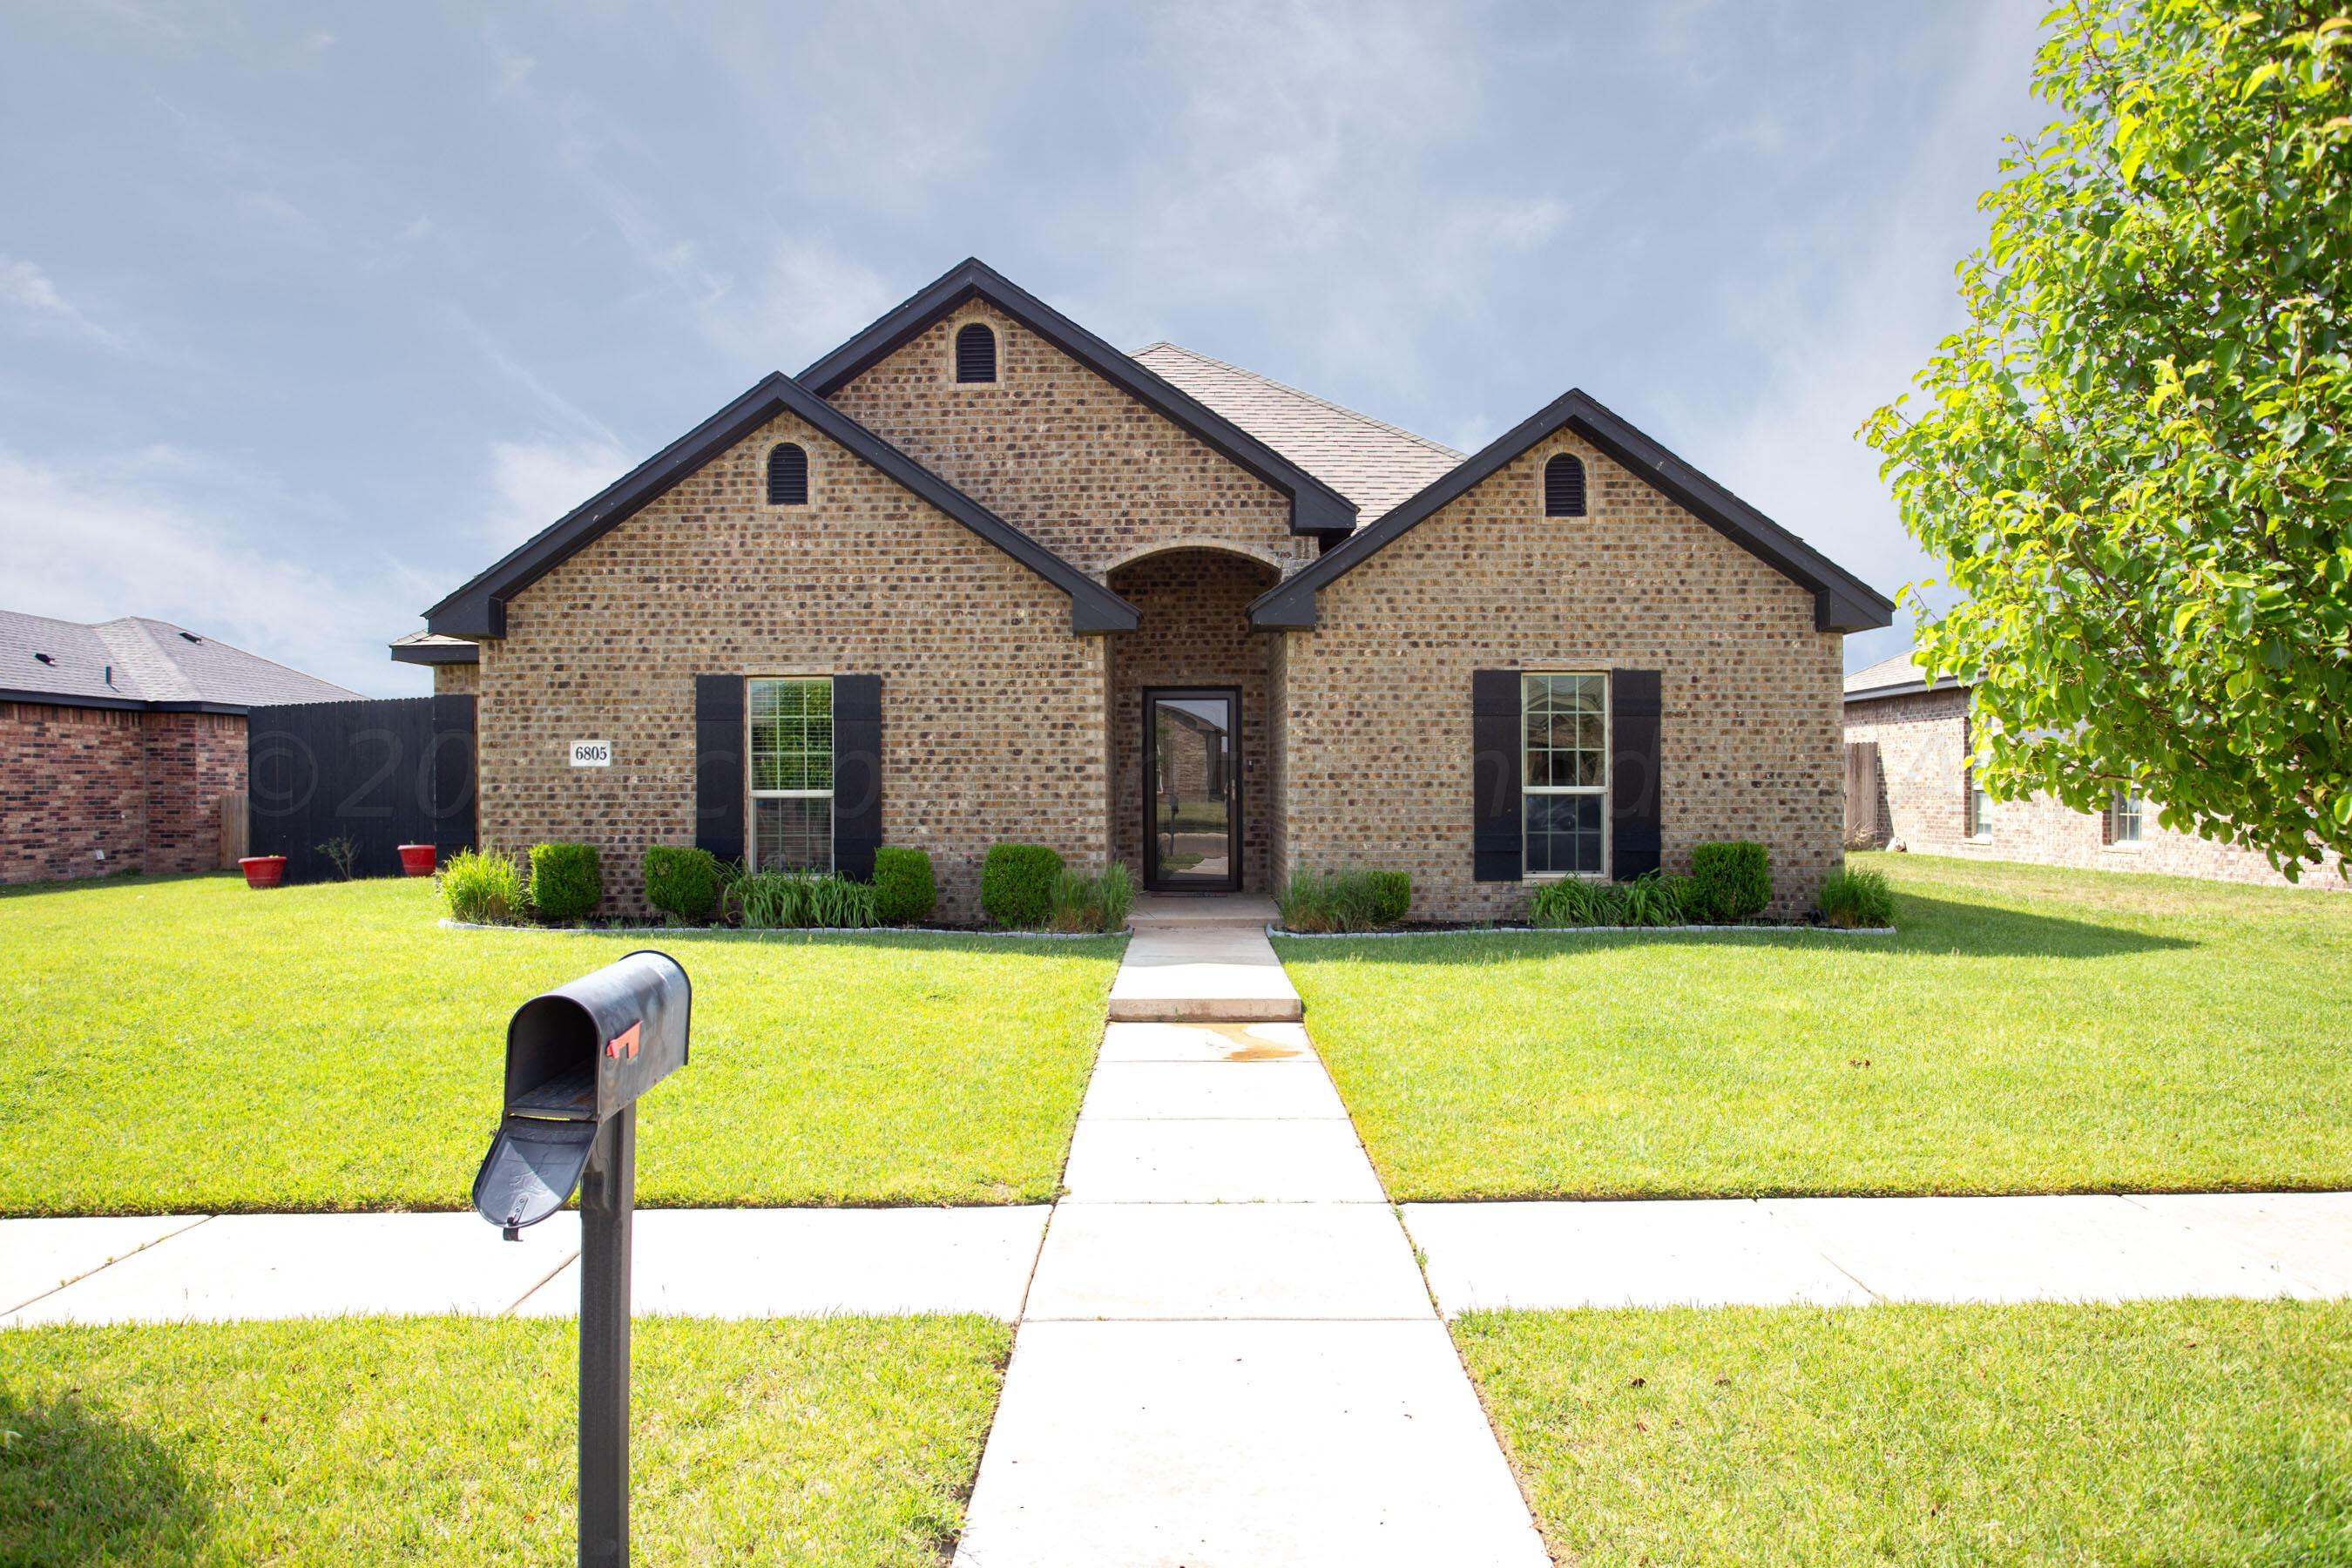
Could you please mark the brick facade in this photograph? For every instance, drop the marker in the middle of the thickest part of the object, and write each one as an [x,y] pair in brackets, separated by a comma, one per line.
[1377,765]
[1923,750]
[1194,631]
[992,711]
[1061,453]
[143,787]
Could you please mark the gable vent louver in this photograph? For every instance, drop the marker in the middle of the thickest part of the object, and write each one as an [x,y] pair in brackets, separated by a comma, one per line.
[975,353]
[1564,486]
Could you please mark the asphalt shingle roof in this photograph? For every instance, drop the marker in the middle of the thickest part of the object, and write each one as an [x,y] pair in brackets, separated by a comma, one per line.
[140,660]
[1374,465]
[1896,671]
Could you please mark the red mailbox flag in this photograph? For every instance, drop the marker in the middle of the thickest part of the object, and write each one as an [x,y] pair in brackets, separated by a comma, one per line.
[623,1044]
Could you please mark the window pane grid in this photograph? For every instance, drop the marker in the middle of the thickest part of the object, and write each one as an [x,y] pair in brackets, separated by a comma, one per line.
[1565,774]
[791,774]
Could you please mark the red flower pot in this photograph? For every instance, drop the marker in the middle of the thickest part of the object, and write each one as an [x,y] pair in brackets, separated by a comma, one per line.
[263,870]
[416,859]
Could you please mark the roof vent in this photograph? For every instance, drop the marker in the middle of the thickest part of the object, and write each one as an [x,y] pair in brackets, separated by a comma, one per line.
[190,637]
[47,658]
[975,352]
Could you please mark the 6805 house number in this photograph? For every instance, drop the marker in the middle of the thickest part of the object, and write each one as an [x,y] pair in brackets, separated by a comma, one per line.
[592,753]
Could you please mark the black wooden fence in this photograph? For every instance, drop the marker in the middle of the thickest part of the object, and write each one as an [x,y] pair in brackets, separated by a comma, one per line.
[380,774]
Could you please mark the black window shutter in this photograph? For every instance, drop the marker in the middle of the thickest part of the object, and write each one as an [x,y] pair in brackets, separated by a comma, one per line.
[976,354]
[1564,486]
[453,774]
[1495,844]
[720,778]
[856,774]
[1635,700]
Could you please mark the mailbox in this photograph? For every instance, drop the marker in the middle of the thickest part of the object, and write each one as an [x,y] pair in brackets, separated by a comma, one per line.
[576,1057]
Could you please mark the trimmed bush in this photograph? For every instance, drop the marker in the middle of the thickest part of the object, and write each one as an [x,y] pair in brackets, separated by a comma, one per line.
[784,901]
[567,880]
[1344,901]
[1858,898]
[1730,882]
[1096,902]
[483,887]
[904,889]
[1016,884]
[682,881]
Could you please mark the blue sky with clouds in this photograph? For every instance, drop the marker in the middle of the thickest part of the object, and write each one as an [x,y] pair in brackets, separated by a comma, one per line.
[307,313]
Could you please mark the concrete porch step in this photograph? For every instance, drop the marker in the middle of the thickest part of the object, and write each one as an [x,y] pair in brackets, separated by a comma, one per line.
[1250,911]
[1201,973]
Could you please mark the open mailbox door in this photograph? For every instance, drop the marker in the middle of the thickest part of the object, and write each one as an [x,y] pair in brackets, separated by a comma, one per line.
[576,1057]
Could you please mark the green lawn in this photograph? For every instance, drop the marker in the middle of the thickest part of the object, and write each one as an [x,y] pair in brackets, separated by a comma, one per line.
[2195,1432]
[2026,1030]
[188,1044]
[450,1442]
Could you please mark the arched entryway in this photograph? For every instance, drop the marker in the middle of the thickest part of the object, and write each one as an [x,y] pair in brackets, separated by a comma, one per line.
[1190,688]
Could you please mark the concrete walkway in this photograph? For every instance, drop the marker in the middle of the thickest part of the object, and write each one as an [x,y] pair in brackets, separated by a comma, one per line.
[1205,959]
[1228,1356]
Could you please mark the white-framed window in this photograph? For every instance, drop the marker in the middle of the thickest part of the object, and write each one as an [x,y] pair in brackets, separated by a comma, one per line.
[2126,817]
[791,754]
[1979,808]
[1564,777]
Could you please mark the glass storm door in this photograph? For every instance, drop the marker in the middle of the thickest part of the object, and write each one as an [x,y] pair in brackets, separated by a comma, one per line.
[1192,757]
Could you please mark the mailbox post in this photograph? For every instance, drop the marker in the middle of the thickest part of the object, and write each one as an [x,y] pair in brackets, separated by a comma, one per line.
[578,1059]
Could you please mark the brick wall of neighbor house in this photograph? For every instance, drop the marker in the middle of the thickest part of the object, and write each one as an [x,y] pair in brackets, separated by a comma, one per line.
[1192,630]
[192,760]
[72,782]
[455,679]
[1922,761]
[992,711]
[1378,754]
[1070,460]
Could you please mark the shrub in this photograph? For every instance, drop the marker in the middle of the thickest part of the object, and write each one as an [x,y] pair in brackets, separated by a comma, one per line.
[1095,903]
[780,900]
[682,881]
[904,889]
[1016,884]
[1574,902]
[1344,901]
[567,880]
[1729,881]
[1654,899]
[483,887]
[1858,898]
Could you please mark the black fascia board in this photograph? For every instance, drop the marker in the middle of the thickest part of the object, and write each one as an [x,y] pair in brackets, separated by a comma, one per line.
[1315,507]
[478,609]
[436,653]
[119,704]
[1842,602]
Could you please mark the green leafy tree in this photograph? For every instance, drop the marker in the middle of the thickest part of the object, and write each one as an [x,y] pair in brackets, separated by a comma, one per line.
[2134,464]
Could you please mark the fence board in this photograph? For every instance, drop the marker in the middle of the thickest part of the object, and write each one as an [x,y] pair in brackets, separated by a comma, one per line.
[1860,792]
[234,823]
[379,773]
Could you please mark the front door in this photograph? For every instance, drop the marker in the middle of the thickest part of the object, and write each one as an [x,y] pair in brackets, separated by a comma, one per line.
[1192,763]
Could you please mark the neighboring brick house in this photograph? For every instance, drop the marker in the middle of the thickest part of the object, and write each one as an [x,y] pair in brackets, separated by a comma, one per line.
[1927,799]
[118,741]
[953,584]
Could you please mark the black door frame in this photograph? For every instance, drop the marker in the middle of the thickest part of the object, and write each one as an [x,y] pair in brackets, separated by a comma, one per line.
[1152,880]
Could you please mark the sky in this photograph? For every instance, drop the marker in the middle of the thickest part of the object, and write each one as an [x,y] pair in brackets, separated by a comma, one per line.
[309,312]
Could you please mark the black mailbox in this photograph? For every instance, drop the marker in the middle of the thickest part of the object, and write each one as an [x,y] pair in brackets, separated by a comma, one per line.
[576,1057]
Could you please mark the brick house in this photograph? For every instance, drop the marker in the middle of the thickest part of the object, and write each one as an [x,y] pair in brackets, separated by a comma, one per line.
[977,576]
[118,741]
[1926,797]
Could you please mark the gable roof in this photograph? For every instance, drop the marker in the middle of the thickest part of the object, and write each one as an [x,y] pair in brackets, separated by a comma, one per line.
[479,608]
[138,663]
[1372,463]
[1315,506]
[1896,677]
[1842,602]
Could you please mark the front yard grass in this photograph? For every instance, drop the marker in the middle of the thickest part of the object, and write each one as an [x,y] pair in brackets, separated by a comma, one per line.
[450,1441]
[2027,1030]
[190,1045]
[2203,1432]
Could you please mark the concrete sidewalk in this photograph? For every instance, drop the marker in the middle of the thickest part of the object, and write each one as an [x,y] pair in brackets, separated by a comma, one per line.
[1849,1251]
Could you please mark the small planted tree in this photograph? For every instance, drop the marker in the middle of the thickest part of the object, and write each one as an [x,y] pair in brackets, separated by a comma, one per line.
[2134,463]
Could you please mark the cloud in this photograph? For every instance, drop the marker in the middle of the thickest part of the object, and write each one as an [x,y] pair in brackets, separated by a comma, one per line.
[532,483]
[32,304]
[162,532]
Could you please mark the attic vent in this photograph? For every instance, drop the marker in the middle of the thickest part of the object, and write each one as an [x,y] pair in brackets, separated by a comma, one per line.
[1564,486]
[47,658]
[190,637]
[787,475]
[975,353]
